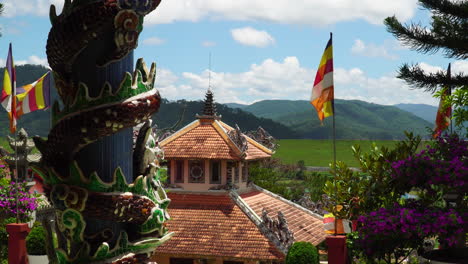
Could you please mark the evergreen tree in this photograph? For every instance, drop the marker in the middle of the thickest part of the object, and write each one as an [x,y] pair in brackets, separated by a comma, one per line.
[448,32]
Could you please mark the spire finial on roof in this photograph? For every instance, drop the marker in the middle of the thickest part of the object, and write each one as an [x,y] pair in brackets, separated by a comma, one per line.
[209,109]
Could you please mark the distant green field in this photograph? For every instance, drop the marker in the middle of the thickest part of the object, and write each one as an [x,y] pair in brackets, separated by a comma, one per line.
[320,152]
[4,143]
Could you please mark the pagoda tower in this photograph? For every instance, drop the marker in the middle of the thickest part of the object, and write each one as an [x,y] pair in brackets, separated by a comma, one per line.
[218,216]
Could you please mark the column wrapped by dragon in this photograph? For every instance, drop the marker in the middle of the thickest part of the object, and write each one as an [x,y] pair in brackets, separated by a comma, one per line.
[110,205]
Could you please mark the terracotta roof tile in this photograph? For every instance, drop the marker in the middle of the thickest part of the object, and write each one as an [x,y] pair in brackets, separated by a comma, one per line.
[202,142]
[207,225]
[208,140]
[305,226]
[255,153]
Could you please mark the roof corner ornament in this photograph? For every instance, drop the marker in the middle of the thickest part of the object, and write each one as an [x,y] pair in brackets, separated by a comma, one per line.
[264,138]
[279,227]
[238,138]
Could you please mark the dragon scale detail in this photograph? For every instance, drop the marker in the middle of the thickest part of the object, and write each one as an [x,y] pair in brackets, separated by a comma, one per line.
[102,217]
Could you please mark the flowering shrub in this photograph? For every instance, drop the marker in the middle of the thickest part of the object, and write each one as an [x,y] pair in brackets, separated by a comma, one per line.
[444,166]
[10,192]
[393,233]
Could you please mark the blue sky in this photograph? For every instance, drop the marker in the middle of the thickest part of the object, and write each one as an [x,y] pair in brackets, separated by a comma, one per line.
[260,49]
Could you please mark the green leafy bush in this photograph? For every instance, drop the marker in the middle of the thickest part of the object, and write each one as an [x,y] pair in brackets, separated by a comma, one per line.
[302,253]
[36,240]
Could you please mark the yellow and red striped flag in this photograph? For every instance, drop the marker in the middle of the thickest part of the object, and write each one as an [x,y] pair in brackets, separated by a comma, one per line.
[443,113]
[322,93]
[7,97]
[34,96]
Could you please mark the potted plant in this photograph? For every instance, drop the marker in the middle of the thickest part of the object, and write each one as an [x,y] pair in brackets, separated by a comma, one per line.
[17,203]
[36,245]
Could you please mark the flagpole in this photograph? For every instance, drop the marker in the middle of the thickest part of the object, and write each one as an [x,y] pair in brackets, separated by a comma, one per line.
[449,87]
[334,144]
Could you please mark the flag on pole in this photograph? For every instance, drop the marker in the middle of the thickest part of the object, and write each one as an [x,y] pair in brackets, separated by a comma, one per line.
[443,113]
[33,96]
[7,97]
[322,92]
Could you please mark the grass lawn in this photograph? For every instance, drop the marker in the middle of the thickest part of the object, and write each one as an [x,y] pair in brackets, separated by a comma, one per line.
[320,152]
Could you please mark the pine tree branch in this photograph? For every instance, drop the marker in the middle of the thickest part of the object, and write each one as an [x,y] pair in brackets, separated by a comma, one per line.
[445,7]
[415,76]
[423,40]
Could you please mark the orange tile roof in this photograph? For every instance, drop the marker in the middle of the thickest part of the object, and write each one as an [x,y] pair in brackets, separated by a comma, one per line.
[254,152]
[209,225]
[208,139]
[203,141]
[305,226]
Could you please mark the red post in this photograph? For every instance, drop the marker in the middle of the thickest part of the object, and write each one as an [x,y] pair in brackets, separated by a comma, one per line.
[337,252]
[17,253]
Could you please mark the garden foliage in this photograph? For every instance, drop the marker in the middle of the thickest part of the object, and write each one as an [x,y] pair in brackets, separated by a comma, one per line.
[288,180]
[36,240]
[302,253]
[391,226]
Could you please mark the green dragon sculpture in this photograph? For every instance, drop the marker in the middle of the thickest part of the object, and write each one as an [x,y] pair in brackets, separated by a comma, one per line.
[102,218]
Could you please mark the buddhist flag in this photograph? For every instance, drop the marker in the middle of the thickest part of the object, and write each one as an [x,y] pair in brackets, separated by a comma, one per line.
[322,93]
[34,96]
[7,97]
[443,113]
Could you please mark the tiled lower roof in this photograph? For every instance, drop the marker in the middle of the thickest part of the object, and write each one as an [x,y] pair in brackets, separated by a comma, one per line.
[254,153]
[212,225]
[305,226]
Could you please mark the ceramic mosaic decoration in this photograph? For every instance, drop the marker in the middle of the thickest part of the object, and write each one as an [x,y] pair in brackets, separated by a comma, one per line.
[109,203]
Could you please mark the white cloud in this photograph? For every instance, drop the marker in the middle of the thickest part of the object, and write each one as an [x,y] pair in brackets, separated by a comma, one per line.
[208,44]
[460,67]
[30,7]
[287,80]
[456,67]
[429,68]
[251,37]
[372,50]
[31,60]
[153,41]
[310,12]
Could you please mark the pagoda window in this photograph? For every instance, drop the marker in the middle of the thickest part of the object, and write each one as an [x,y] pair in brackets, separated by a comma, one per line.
[179,171]
[236,173]
[181,261]
[215,172]
[245,171]
[229,171]
[196,171]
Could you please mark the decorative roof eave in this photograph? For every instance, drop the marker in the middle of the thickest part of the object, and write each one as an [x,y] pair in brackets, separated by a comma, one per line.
[179,133]
[219,128]
[260,146]
[255,143]
[186,255]
[257,221]
[258,188]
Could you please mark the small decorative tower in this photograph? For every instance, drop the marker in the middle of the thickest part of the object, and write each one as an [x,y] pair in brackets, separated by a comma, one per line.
[210,108]
[23,157]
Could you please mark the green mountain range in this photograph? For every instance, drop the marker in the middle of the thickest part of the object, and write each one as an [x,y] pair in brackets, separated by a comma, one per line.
[282,118]
[38,122]
[426,112]
[354,119]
